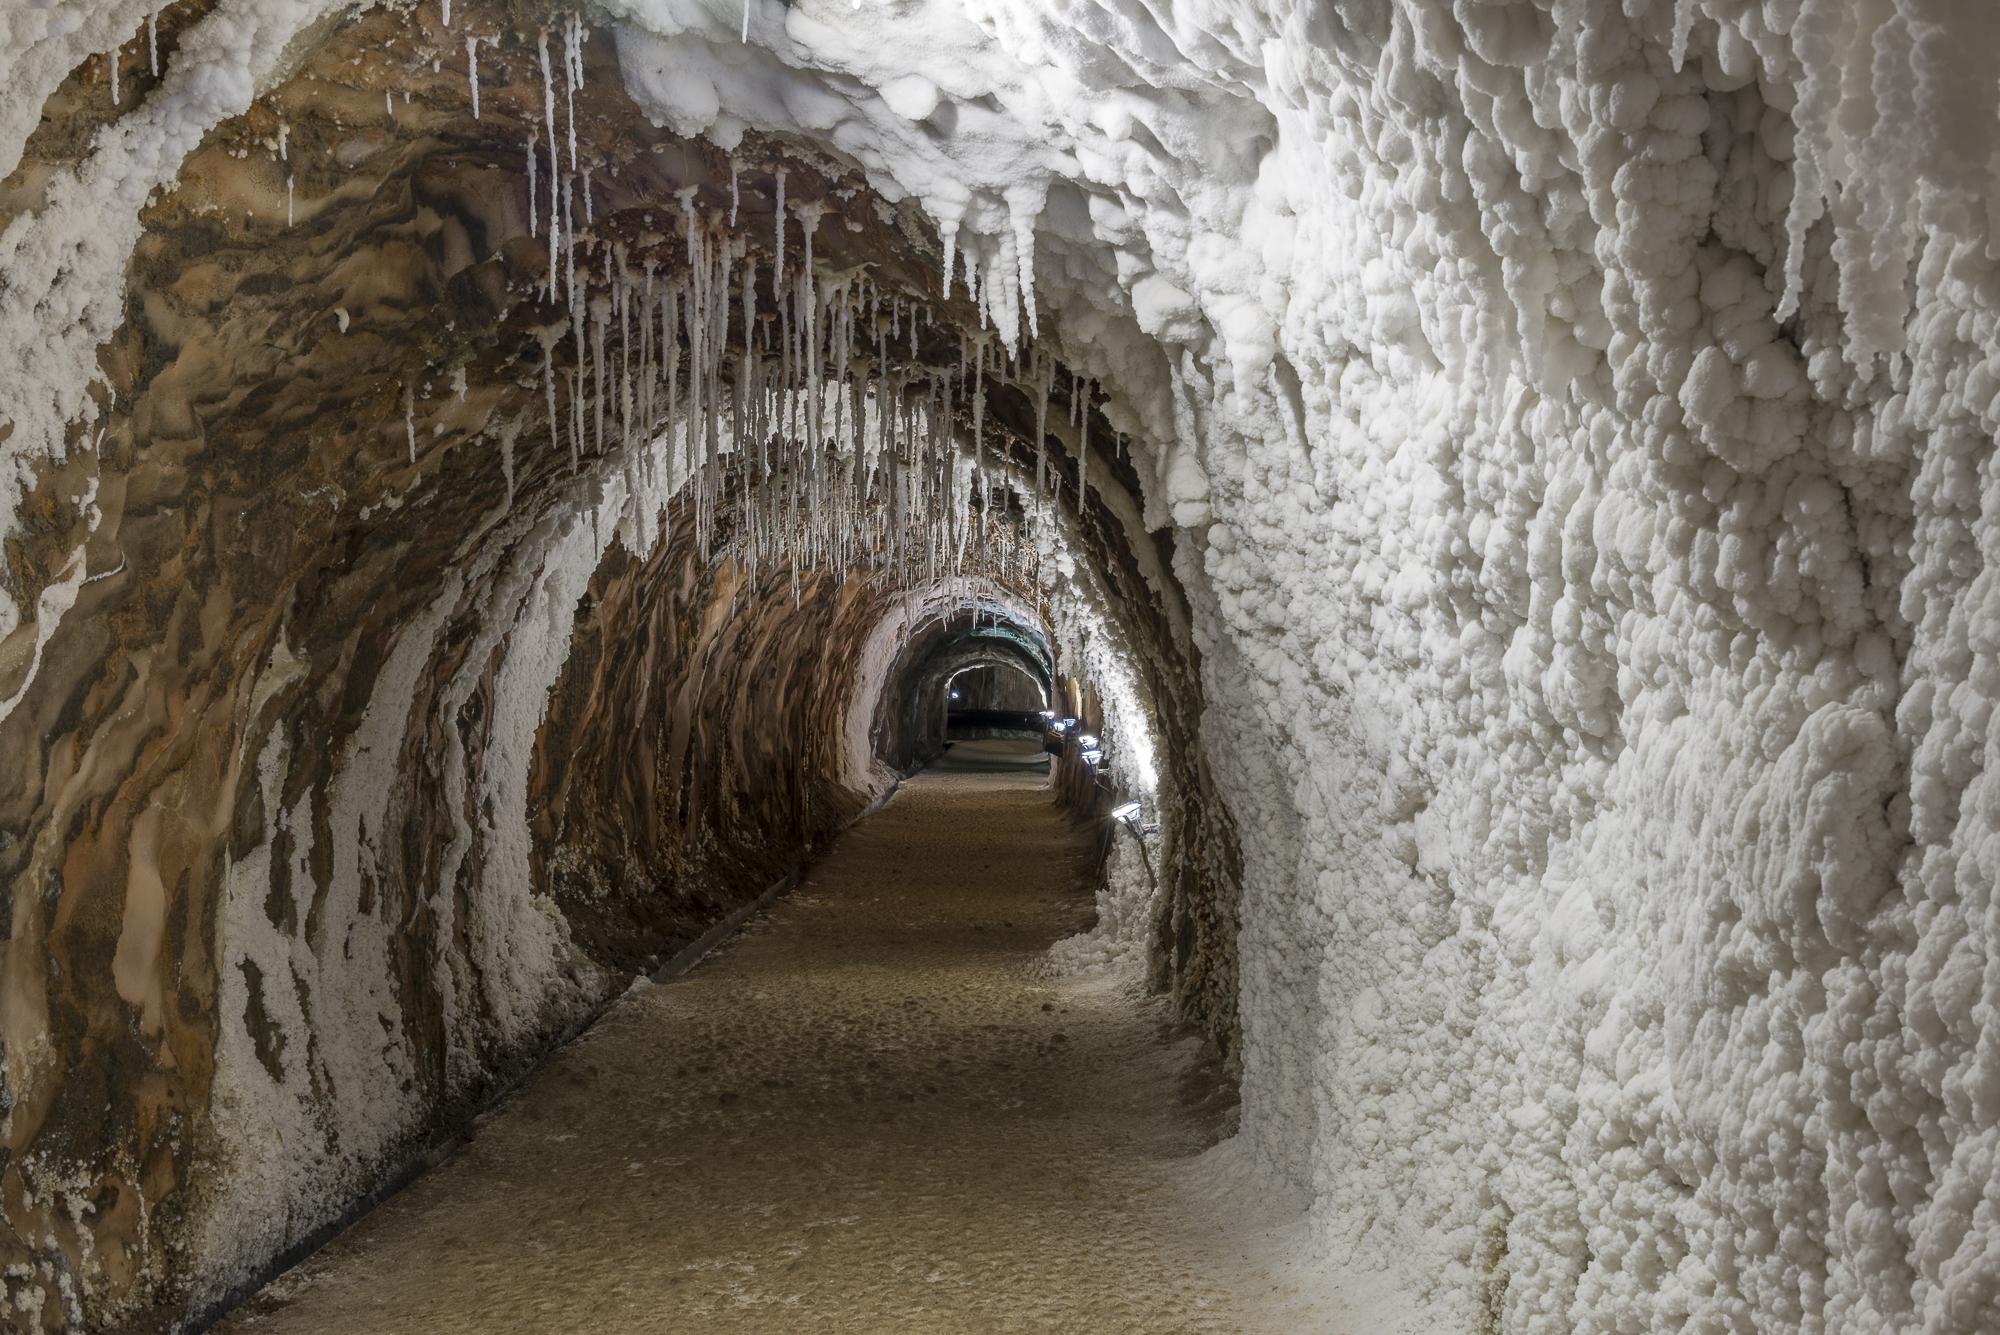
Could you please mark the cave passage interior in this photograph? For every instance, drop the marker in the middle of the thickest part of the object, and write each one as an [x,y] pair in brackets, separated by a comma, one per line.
[1102,665]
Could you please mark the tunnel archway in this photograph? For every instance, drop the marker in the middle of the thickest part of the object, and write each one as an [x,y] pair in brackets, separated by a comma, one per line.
[560,566]
[974,636]
[996,685]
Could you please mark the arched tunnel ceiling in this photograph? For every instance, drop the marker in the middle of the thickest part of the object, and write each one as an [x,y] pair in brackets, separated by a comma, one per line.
[1536,509]
[910,715]
[999,644]
[393,687]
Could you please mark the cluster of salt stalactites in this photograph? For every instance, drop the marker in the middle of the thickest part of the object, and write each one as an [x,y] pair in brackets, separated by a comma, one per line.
[798,395]
[846,457]
[799,391]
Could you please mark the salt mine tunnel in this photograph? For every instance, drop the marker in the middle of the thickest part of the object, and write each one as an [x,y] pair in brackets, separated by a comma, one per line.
[1047,665]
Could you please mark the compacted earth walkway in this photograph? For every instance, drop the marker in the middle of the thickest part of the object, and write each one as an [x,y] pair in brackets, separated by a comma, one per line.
[876,1110]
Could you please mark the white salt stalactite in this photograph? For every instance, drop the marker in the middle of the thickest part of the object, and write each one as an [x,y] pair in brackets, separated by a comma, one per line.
[548,85]
[568,198]
[749,282]
[576,383]
[444,12]
[1047,378]
[472,71]
[555,218]
[580,381]
[735,195]
[691,317]
[646,353]
[410,417]
[979,418]
[670,353]
[532,200]
[1083,453]
[153,43]
[1683,27]
[549,338]
[778,220]
[549,122]
[572,78]
[116,52]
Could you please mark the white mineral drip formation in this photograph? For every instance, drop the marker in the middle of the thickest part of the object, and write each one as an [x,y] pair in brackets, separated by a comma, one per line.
[572,78]
[778,226]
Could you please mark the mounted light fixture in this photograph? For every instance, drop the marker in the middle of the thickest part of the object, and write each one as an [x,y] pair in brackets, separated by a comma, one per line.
[1086,740]
[954,695]
[1132,816]
[1092,755]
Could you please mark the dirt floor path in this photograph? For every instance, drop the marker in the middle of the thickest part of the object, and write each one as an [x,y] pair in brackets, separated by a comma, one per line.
[874,1111]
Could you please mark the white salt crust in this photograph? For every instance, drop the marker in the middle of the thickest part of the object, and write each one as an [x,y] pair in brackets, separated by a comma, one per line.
[1599,670]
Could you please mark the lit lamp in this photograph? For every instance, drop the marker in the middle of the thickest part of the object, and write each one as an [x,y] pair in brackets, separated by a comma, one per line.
[1133,817]
[1091,755]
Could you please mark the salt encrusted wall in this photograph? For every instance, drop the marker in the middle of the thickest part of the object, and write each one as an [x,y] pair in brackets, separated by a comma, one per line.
[1617,938]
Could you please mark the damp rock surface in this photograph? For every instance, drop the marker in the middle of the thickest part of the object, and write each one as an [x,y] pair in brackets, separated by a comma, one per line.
[878,1109]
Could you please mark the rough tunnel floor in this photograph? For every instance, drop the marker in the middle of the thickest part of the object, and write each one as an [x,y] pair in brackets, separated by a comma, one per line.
[875,1110]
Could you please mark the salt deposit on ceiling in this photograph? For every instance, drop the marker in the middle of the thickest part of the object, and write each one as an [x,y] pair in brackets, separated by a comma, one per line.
[1575,422]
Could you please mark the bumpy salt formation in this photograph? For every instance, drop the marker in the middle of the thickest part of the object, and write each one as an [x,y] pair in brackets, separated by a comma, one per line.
[1568,426]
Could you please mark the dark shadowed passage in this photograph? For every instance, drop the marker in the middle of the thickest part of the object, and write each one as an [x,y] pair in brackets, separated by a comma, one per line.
[876,1110]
